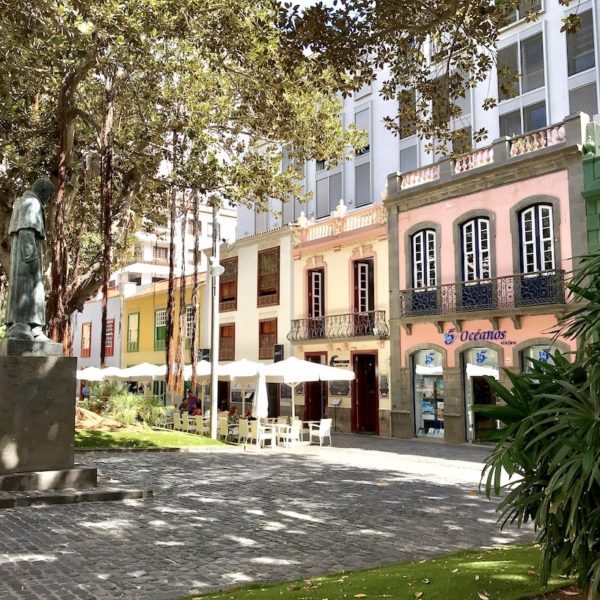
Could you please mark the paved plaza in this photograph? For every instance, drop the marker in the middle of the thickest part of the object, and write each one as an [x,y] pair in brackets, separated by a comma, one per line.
[224,517]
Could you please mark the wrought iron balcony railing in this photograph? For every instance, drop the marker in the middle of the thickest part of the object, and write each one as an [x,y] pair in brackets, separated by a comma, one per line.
[349,325]
[513,291]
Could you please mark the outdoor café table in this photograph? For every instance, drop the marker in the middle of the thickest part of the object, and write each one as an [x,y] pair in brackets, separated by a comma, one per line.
[274,429]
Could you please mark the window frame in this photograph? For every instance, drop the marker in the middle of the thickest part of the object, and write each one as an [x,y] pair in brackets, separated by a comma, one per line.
[133,346]
[160,343]
[110,350]
[538,238]
[479,271]
[265,349]
[268,295]
[364,295]
[86,351]
[226,353]
[428,240]
[316,300]
[227,281]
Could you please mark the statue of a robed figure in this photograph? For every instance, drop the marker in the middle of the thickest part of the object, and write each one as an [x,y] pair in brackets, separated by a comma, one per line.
[26,314]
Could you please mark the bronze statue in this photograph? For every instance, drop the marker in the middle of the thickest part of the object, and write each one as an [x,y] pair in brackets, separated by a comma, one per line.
[26,314]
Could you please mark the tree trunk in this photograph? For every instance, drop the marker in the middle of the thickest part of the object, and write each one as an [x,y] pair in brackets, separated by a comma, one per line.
[55,309]
[195,293]
[106,198]
[180,353]
[170,376]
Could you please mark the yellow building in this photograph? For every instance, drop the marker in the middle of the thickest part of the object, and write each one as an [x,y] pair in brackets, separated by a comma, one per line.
[341,312]
[145,318]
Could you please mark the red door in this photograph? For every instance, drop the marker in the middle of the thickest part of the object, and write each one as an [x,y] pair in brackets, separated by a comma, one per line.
[365,397]
[315,392]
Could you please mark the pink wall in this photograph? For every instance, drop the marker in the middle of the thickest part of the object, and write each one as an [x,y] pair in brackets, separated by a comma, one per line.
[498,200]
[533,327]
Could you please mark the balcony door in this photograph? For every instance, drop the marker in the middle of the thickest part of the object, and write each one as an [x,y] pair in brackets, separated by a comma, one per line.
[424,272]
[477,290]
[316,303]
[364,297]
[539,283]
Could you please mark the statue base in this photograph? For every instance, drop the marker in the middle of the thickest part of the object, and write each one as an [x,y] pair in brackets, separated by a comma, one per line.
[12,347]
[37,409]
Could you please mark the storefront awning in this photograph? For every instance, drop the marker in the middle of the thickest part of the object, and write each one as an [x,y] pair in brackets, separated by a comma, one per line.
[481,370]
[423,370]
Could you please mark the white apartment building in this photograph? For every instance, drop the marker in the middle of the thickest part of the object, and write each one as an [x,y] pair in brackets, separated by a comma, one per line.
[558,76]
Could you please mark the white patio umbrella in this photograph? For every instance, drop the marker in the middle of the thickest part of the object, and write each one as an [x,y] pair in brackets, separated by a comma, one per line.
[293,371]
[244,372]
[142,372]
[89,374]
[111,373]
[260,404]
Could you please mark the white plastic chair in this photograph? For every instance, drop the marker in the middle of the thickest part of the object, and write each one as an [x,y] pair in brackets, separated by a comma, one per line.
[202,426]
[266,433]
[223,429]
[187,424]
[320,430]
[243,431]
[177,424]
[291,434]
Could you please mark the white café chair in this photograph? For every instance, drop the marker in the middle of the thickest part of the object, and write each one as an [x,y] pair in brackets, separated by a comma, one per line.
[243,431]
[223,429]
[291,434]
[266,432]
[202,426]
[320,430]
[187,424]
[177,424]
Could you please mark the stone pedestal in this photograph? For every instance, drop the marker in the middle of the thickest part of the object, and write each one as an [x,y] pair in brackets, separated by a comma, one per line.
[37,408]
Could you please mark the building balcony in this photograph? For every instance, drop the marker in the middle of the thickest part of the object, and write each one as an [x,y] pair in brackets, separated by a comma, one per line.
[333,327]
[511,293]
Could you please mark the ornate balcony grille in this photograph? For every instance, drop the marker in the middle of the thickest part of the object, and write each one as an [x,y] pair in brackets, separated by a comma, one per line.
[513,291]
[348,325]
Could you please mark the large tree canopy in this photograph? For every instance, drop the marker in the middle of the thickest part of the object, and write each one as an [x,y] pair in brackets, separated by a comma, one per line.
[170,94]
[427,52]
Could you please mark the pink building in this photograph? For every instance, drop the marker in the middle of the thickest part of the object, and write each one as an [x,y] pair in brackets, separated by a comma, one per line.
[480,248]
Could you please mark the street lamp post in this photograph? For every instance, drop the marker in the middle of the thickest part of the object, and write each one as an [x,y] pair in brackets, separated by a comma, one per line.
[215,271]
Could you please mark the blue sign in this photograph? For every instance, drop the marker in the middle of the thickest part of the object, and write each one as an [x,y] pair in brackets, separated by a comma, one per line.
[544,355]
[491,335]
[481,357]
[429,358]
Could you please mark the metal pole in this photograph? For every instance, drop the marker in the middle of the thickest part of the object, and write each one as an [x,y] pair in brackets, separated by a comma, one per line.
[214,271]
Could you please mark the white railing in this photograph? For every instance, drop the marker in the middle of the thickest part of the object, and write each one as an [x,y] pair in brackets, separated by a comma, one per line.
[474,160]
[537,140]
[420,176]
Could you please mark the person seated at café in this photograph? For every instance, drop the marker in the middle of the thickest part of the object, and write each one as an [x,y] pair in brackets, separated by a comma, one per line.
[232,415]
[192,400]
[198,410]
[183,407]
[249,416]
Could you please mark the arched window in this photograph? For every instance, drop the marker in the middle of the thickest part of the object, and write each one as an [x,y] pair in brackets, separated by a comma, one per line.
[537,238]
[424,272]
[475,240]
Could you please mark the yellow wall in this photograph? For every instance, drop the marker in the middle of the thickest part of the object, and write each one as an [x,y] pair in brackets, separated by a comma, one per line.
[146,305]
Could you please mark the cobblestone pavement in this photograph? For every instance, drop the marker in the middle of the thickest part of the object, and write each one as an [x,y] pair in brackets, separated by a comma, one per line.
[223,518]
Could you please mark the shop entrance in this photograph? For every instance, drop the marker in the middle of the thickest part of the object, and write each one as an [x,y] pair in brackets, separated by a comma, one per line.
[365,399]
[482,394]
[315,392]
[428,382]
[479,363]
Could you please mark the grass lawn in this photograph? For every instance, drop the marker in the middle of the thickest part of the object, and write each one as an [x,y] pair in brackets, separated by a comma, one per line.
[85,438]
[502,574]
